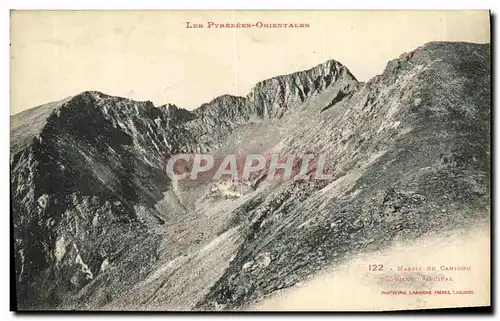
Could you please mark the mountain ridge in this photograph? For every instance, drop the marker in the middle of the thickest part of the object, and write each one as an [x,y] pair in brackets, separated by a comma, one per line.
[99,225]
[97,92]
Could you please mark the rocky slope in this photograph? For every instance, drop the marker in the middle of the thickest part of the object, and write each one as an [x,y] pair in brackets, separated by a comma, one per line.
[98,224]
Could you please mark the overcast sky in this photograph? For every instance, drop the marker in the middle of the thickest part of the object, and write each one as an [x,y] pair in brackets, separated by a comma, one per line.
[151,55]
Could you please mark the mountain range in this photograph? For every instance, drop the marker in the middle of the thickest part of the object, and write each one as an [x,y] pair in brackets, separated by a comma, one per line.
[99,225]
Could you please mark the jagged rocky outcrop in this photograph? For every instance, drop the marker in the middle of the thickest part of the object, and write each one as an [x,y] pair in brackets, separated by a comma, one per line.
[99,225]
[269,99]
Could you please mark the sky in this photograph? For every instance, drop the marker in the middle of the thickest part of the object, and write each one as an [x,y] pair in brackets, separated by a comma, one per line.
[151,55]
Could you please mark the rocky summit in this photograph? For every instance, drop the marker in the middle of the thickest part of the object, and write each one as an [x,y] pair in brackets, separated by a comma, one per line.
[98,224]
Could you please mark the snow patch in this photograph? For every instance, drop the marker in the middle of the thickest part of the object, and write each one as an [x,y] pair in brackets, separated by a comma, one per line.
[60,249]
[104,265]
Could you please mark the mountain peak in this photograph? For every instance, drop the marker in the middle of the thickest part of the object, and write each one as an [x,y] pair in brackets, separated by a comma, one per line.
[99,224]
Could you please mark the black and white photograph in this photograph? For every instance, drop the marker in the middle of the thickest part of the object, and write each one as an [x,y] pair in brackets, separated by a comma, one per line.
[250,160]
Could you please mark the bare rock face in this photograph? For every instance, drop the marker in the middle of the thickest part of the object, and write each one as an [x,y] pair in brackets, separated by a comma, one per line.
[98,224]
[269,99]
[272,98]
